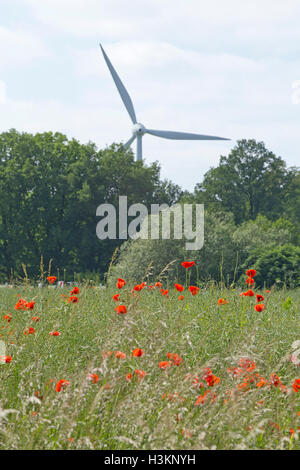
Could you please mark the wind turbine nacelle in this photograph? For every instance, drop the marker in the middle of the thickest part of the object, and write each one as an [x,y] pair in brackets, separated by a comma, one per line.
[138,129]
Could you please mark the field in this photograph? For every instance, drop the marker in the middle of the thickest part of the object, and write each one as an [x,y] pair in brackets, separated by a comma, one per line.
[214,390]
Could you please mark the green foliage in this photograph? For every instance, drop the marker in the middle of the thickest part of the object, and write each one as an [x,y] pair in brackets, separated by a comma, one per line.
[226,246]
[280,265]
[50,188]
[251,180]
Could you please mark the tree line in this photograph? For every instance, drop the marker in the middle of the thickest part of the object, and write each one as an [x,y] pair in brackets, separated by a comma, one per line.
[50,188]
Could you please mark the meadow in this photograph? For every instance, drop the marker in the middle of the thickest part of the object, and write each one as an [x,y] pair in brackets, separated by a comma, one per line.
[156,373]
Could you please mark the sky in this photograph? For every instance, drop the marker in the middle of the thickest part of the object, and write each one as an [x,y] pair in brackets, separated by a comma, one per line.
[230,69]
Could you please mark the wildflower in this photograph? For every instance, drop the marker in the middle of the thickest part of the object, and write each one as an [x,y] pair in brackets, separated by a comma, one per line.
[164,292]
[61,384]
[164,364]
[120,355]
[29,331]
[116,297]
[251,273]
[247,364]
[120,283]
[188,264]
[222,301]
[210,378]
[140,373]
[259,298]
[249,293]
[51,279]
[296,385]
[267,291]
[139,287]
[259,307]
[54,333]
[30,305]
[262,382]
[250,281]
[179,287]
[158,284]
[73,299]
[121,309]
[194,290]
[137,352]
[175,358]
[128,376]
[36,319]
[7,317]
[21,304]
[94,378]
[181,297]
[6,359]
[201,399]
[75,291]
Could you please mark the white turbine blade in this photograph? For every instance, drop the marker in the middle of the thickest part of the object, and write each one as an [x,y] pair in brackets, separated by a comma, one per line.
[121,89]
[182,135]
[132,139]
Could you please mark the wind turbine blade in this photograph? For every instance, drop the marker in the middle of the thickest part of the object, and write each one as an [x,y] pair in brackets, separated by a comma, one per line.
[132,139]
[121,89]
[182,135]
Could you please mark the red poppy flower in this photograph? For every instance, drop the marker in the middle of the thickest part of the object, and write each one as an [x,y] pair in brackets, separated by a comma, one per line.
[128,376]
[296,385]
[36,319]
[181,297]
[137,352]
[61,384]
[5,359]
[54,333]
[120,283]
[259,298]
[188,264]
[164,292]
[73,299]
[251,273]
[259,307]
[29,331]
[250,281]
[158,284]
[30,305]
[222,301]
[267,291]
[116,297]
[176,360]
[51,279]
[194,290]
[94,378]
[121,309]
[120,355]
[179,287]
[21,304]
[164,364]
[249,293]
[140,373]
[75,291]
[139,287]
[7,317]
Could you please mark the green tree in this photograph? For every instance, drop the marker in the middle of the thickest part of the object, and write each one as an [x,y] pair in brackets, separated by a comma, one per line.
[251,180]
[50,188]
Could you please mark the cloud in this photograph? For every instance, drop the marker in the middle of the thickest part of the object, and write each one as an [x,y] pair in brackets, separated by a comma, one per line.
[19,46]
[2,92]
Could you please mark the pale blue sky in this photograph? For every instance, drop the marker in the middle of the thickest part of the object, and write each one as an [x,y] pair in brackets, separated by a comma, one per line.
[220,68]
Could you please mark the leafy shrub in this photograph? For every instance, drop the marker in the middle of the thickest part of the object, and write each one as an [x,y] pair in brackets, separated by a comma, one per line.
[276,266]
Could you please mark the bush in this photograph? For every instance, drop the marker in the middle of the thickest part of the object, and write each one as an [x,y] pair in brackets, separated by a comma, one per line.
[280,265]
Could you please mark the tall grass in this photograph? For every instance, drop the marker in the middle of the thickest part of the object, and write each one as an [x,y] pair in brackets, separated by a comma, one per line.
[118,414]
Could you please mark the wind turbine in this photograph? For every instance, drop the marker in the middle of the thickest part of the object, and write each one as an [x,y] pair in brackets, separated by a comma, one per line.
[138,130]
